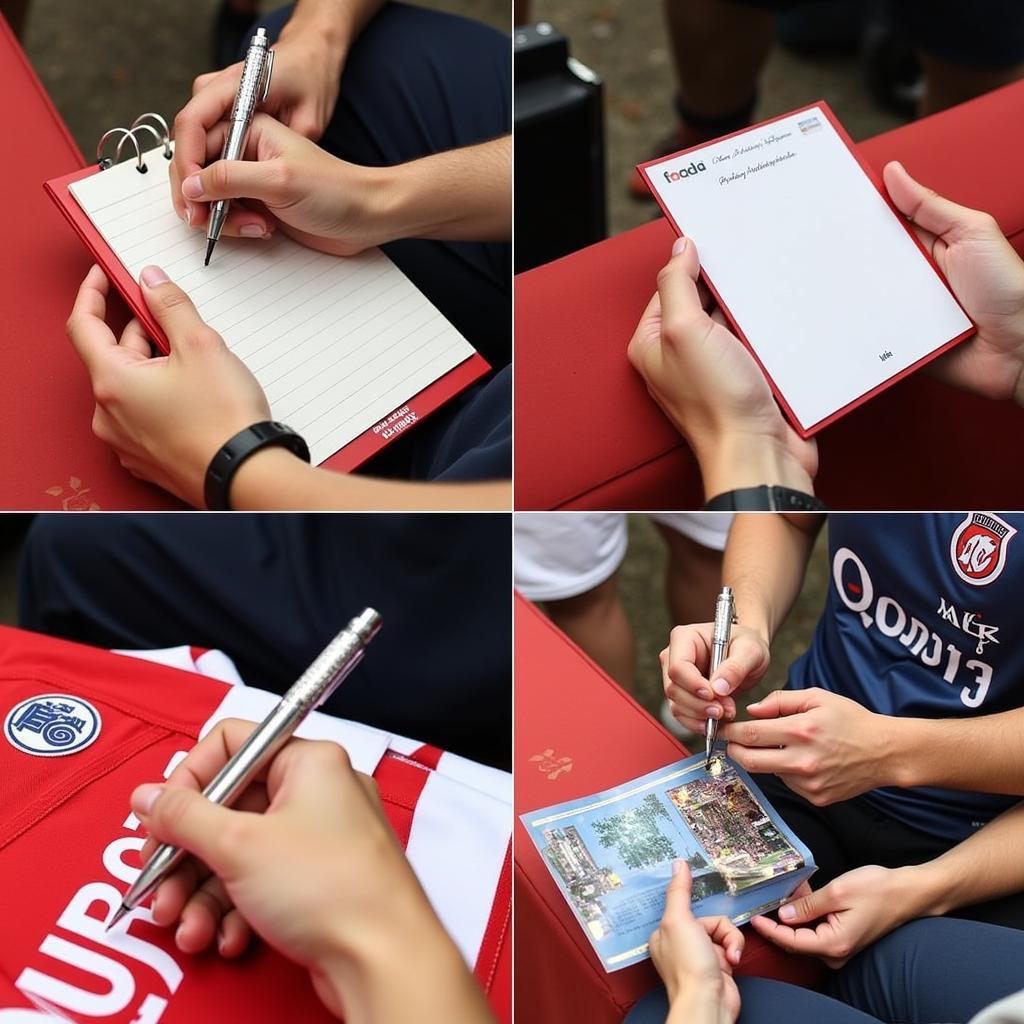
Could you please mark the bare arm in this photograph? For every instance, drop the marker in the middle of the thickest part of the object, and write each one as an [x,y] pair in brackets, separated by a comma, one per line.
[460,194]
[337,21]
[980,754]
[765,563]
[275,479]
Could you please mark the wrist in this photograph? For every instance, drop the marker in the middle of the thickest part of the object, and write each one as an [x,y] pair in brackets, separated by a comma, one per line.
[732,461]
[696,1002]
[923,890]
[359,966]
[902,740]
[264,477]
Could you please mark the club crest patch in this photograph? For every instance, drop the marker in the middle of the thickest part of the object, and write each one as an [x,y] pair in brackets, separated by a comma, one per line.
[978,547]
[52,725]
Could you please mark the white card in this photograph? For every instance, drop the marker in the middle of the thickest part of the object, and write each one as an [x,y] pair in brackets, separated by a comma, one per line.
[827,286]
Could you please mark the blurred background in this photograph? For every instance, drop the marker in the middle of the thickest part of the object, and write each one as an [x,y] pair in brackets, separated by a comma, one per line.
[12,532]
[103,62]
[878,63]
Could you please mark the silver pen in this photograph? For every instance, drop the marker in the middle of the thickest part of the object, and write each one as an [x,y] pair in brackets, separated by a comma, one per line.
[253,87]
[309,691]
[725,612]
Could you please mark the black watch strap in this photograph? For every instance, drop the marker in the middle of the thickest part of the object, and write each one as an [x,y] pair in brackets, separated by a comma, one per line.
[233,453]
[766,498]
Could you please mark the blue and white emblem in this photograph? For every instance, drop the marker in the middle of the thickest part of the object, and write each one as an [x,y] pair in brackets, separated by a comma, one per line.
[52,725]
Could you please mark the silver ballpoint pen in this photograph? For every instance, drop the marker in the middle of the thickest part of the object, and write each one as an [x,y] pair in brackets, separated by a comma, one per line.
[252,90]
[725,612]
[309,691]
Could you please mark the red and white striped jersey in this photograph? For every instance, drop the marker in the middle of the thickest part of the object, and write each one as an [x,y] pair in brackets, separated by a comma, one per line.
[81,728]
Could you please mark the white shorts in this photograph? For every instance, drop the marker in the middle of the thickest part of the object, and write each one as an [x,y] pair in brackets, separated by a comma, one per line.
[564,554]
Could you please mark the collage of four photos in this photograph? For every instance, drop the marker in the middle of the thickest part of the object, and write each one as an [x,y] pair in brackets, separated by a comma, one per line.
[496,512]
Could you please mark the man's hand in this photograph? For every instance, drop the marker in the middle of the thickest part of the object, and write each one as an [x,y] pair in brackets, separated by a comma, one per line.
[858,908]
[164,416]
[987,277]
[321,201]
[695,958]
[303,93]
[685,664]
[308,861]
[824,747]
[710,387]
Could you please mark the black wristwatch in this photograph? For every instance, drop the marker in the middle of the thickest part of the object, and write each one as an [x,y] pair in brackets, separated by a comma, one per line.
[766,498]
[231,455]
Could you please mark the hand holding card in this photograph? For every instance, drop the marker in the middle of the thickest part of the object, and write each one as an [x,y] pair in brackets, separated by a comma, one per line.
[814,270]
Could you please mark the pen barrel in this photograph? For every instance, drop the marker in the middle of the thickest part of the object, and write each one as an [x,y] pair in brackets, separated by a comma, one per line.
[251,85]
[725,610]
[336,660]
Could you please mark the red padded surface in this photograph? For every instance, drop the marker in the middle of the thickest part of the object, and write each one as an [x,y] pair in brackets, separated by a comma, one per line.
[49,458]
[567,708]
[588,436]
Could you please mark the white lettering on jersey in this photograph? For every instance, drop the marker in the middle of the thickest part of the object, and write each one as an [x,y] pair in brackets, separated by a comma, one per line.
[968,622]
[892,621]
[77,920]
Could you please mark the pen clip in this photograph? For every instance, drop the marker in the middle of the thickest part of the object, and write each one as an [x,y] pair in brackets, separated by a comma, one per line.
[268,70]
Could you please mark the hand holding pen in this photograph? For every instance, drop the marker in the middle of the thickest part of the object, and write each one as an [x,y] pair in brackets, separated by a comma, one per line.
[253,87]
[308,692]
[725,612]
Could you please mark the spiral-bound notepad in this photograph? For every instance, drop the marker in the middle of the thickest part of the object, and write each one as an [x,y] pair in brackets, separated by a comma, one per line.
[338,343]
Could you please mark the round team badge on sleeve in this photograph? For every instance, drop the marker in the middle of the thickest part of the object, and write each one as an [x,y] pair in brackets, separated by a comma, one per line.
[52,725]
[978,547]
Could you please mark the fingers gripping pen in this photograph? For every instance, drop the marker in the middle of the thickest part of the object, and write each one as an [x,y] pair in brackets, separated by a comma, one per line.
[309,691]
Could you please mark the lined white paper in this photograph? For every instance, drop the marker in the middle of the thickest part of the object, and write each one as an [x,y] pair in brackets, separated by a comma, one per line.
[825,282]
[337,343]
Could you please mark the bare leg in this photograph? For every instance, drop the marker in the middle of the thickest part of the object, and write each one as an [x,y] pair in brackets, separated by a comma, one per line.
[596,621]
[949,84]
[719,50]
[693,577]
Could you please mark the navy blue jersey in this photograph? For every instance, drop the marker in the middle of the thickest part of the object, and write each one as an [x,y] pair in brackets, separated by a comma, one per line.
[923,620]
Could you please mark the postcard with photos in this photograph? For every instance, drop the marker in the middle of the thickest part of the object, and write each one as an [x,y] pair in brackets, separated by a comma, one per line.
[611,853]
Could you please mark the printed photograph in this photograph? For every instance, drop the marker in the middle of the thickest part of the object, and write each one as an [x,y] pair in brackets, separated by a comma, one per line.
[741,840]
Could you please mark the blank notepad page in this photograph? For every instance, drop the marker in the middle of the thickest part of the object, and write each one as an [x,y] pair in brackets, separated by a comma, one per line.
[337,343]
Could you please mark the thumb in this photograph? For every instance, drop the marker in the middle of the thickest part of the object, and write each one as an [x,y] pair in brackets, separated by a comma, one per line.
[922,205]
[809,907]
[185,818]
[677,894]
[780,703]
[741,664]
[173,310]
[682,312]
[265,180]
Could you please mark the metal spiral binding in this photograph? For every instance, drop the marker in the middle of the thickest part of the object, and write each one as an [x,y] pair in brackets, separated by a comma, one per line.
[163,137]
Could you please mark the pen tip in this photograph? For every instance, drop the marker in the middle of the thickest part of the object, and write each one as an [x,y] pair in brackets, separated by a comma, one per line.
[209,251]
[121,911]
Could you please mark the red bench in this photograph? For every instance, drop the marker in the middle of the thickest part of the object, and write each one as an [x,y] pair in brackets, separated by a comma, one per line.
[588,436]
[576,733]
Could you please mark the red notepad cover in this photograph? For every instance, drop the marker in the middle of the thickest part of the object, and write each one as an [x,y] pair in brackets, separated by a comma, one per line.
[358,450]
[876,181]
